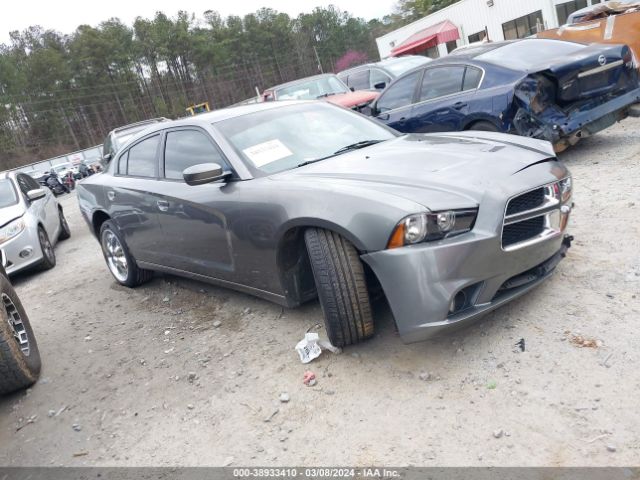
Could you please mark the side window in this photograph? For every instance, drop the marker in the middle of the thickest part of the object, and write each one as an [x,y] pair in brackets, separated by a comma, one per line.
[377,77]
[472,78]
[142,158]
[359,80]
[400,93]
[441,81]
[185,148]
[122,163]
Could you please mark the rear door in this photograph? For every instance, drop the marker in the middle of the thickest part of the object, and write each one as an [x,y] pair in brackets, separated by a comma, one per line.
[133,195]
[444,98]
[393,107]
[192,218]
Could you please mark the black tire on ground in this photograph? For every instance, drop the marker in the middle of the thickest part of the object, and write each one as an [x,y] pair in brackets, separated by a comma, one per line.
[48,254]
[18,369]
[65,231]
[342,288]
[484,127]
[135,275]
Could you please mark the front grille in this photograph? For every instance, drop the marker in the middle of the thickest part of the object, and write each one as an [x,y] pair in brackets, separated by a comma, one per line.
[521,231]
[526,201]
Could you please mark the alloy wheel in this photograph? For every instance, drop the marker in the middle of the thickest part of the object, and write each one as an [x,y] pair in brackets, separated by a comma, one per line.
[114,253]
[16,325]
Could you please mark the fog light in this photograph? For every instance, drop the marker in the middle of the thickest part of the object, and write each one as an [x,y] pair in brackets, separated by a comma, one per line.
[458,302]
[26,252]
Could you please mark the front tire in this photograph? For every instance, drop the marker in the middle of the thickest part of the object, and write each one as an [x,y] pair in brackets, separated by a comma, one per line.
[19,356]
[46,247]
[342,288]
[119,260]
[65,231]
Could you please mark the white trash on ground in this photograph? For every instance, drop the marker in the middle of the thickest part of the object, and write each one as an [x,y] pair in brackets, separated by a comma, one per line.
[309,348]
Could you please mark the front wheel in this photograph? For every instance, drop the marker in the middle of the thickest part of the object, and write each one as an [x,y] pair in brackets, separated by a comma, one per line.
[121,263]
[19,356]
[342,288]
[65,231]
[48,254]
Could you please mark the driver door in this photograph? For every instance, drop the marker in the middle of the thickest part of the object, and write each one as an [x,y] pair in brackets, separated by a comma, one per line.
[193,220]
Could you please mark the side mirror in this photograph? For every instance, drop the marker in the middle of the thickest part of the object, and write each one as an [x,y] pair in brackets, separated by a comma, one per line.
[380,86]
[203,173]
[107,157]
[352,89]
[36,194]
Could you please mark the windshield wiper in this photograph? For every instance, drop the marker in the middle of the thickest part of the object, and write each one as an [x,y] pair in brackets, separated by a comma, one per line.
[324,95]
[348,148]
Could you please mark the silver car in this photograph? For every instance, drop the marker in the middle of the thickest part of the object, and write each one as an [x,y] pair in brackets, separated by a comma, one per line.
[31,222]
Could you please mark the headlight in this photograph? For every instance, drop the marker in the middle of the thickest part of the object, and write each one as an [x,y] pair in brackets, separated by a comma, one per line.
[427,227]
[566,187]
[9,231]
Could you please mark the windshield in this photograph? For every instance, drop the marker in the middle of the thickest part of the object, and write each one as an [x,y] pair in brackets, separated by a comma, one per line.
[528,53]
[282,138]
[405,64]
[7,193]
[312,89]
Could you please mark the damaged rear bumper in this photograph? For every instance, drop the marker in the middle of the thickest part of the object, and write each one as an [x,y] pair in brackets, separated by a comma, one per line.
[564,129]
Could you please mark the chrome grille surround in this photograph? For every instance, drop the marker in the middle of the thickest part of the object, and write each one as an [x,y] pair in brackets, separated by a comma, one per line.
[539,222]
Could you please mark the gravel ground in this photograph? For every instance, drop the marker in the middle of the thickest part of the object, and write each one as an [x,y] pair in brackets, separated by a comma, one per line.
[149,377]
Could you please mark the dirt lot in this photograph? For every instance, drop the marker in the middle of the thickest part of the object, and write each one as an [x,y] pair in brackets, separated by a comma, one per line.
[145,377]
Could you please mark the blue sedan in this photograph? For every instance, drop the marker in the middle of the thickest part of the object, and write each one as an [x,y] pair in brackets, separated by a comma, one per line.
[549,89]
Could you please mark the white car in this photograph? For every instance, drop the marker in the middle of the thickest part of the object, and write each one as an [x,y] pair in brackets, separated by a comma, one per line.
[63,168]
[31,222]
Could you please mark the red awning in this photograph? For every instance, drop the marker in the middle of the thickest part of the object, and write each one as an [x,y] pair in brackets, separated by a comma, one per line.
[442,32]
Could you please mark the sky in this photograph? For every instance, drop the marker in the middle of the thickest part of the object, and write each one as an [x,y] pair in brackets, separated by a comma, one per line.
[65,15]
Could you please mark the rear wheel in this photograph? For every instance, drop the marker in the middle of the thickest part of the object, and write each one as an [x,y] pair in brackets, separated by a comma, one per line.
[484,126]
[342,288]
[48,255]
[121,263]
[65,231]
[19,356]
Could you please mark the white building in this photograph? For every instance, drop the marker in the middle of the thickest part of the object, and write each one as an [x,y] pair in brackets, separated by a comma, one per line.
[468,21]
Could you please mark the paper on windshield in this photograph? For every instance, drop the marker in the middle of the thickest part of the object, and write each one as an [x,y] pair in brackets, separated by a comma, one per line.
[267,152]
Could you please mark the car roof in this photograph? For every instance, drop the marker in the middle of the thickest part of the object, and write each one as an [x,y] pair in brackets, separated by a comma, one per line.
[381,64]
[209,118]
[302,80]
[138,125]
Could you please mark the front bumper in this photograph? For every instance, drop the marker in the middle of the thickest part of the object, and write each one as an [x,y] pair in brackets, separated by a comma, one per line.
[421,281]
[22,251]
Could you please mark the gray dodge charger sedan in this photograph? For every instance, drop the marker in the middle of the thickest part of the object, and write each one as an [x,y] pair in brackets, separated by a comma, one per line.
[290,201]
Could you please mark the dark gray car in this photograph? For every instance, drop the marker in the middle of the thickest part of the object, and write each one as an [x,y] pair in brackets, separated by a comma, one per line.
[293,200]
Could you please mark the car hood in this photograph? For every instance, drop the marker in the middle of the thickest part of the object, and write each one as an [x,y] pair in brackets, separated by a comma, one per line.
[10,213]
[353,99]
[437,171]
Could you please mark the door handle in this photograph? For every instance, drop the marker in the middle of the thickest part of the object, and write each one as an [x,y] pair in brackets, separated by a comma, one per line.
[402,120]
[459,105]
[163,205]
[111,194]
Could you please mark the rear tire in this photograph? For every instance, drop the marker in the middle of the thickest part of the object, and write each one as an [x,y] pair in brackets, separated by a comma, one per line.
[484,126]
[65,231]
[46,247]
[342,288]
[19,359]
[119,260]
